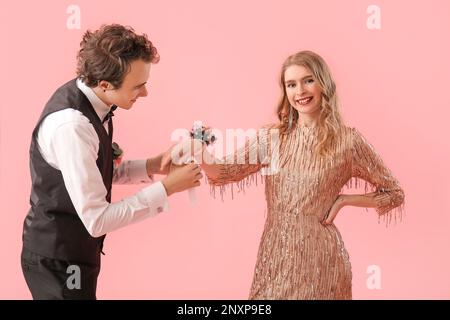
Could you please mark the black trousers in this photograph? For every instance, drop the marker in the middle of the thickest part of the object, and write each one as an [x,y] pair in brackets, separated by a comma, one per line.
[51,279]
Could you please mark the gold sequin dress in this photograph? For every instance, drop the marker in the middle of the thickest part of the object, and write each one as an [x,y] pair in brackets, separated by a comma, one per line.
[298,257]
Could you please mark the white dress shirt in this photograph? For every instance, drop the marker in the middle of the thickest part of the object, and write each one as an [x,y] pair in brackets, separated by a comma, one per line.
[68,142]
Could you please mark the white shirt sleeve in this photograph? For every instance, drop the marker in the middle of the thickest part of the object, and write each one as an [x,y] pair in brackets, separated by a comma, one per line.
[131,172]
[70,144]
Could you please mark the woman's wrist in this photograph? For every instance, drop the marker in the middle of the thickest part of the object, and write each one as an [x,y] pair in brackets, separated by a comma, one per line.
[343,200]
[153,165]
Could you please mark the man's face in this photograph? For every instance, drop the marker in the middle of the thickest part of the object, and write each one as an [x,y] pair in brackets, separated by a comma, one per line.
[133,86]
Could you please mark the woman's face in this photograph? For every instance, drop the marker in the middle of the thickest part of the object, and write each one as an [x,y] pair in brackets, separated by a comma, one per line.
[302,90]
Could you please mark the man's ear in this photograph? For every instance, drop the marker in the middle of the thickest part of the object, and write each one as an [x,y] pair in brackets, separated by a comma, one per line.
[104,85]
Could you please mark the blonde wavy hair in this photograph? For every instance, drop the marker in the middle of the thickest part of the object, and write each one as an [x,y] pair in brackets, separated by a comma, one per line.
[330,121]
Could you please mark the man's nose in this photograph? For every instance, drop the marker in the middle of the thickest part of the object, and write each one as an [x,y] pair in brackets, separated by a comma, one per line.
[144,91]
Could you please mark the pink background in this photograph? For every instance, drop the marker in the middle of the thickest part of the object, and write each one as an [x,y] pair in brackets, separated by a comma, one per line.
[219,63]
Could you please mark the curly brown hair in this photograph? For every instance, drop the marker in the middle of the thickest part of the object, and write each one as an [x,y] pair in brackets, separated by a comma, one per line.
[106,54]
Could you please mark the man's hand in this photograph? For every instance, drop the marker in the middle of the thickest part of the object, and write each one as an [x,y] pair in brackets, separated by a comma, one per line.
[178,154]
[183,152]
[160,164]
[182,178]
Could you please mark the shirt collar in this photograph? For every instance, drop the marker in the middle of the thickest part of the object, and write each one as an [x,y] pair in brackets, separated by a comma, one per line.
[100,107]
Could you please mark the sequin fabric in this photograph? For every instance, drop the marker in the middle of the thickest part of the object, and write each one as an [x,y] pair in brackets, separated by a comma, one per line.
[298,257]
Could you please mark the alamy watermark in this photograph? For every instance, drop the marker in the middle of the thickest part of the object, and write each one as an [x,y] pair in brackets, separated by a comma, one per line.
[251,146]
[74,280]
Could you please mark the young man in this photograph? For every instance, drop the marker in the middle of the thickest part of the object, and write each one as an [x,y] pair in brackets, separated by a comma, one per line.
[72,167]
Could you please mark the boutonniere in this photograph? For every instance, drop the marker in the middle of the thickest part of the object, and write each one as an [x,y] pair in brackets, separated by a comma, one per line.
[117,154]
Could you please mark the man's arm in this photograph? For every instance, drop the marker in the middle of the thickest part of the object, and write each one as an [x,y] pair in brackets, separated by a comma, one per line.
[73,147]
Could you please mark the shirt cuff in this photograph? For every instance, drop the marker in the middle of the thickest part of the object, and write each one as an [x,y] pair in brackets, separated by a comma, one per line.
[137,171]
[155,197]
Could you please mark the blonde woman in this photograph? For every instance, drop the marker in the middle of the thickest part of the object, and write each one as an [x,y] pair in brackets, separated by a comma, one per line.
[301,253]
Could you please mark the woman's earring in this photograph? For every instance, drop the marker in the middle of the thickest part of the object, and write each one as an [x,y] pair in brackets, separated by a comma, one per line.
[291,116]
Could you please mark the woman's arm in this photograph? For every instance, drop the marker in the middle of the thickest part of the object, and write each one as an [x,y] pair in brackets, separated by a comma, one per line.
[368,200]
[212,171]
[234,167]
[368,165]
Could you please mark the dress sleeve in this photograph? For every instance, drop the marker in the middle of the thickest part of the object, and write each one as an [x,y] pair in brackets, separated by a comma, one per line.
[368,165]
[242,166]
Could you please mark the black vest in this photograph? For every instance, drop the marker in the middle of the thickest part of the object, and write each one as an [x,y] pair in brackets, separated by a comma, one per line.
[52,227]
